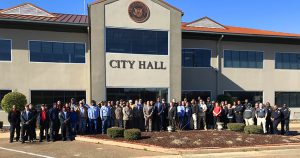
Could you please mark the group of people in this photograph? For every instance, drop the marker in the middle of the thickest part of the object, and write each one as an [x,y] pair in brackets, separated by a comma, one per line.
[72,119]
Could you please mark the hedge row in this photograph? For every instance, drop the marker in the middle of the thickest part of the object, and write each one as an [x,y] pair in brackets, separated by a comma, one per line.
[129,134]
[240,127]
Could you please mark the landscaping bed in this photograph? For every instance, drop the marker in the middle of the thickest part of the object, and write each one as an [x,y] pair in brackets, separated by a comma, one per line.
[205,139]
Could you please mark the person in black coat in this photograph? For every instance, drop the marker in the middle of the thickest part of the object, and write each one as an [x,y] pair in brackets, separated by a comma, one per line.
[64,118]
[27,119]
[276,119]
[54,122]
[14,119]
[285,122]
[43,122]
[172,114]
[33,125]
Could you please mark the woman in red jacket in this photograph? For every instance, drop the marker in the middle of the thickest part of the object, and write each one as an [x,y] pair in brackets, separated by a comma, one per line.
[217,114]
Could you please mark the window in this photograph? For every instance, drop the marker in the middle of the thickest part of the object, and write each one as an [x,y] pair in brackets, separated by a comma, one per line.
[189,95]
[252,97]
[196,58]
[243,59]
[136,41]
[57,52]
[292,99]
[2,94]
[287,61]
[50,97]
[5,50]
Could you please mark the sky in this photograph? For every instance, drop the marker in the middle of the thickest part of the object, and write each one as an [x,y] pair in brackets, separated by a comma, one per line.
[275,15]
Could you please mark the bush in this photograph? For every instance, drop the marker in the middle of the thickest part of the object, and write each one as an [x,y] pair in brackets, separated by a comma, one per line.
[13,98]
[253,129]
[115,132]
[237,127]
[132,134]
[1,124]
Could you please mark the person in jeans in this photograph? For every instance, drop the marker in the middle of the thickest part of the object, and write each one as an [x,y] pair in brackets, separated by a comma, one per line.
[261,115]
[14,120]
[148,111]
[119,115]
[249,115]
[180,114]
[83,116]
[202,114]
[93,115]
[195,111]
[105,115]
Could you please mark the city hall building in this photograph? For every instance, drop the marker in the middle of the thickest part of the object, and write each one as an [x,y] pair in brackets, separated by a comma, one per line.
[129,49]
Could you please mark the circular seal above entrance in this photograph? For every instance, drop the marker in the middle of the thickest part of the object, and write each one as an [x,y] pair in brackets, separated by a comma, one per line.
[139,12]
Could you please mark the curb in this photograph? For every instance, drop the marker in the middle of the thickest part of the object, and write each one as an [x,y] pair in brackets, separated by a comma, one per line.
[175,151]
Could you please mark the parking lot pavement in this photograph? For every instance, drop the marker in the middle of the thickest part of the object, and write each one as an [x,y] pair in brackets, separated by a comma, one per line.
[68,149]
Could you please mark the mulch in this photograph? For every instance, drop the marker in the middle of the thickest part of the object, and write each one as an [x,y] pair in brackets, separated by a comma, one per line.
[205,139]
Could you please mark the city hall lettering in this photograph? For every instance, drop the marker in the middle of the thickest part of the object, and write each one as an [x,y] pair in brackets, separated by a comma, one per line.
[129,64]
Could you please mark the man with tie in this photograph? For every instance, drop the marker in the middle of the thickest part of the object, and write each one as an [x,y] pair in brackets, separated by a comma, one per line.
[26,122]
[105,114]
[54,122]
[159,114]
[43,122]
[139,115]
[64,118]
[172,114]
[148,111]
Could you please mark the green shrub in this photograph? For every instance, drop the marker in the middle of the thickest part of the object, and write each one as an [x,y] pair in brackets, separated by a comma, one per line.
[13,98]
[237,127]
[1,124]
[115,132]
[253,129]
[132,134]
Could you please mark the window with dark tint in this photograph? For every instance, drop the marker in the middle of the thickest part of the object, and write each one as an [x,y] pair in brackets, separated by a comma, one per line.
[5,50]
[291,99]
[2,94]
[196,58]
[252,97]
[136,41]
[287,61]
[50,97]
[57,52]
[189,95]
[243,59]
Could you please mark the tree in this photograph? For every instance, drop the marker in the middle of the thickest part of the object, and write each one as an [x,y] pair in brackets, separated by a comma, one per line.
[13,98]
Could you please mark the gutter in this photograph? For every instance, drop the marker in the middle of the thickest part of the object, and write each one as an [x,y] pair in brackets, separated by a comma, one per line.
[44,22]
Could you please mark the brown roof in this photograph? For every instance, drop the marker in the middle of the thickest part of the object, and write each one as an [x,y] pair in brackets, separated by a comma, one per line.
[238,30]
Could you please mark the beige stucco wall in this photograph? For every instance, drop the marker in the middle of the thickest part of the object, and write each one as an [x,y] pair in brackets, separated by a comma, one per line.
[22,75]
[114,13]
[268,80]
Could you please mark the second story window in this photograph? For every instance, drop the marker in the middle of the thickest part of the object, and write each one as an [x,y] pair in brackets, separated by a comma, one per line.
[57,52]
[243,59]
[5,50]
[196,57]
[287,61]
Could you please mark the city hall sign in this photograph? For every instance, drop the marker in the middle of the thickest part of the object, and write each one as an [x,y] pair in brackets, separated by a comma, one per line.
[138,12]
[131,64]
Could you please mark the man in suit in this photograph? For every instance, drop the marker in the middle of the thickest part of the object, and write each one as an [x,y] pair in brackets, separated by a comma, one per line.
[172,114]
[159,114]
[54,122]
[14,120]
[64,118]
[139,114]
[26,122]
[148,111]
[33,127]
[239,111]
[43,122]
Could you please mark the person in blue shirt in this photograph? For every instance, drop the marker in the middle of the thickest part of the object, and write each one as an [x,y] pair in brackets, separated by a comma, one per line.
[105,114]
[73,122]
[93,115]
[180,114]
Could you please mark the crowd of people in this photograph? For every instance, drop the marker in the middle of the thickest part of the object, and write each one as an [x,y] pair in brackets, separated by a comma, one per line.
[72,119]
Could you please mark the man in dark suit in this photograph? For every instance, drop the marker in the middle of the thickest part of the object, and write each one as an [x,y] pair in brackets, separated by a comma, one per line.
[139,115]
[43,122]
[26,122]
[159,114]
[54,122]
[172,114]
[33,127]
[14,120]
[64,118]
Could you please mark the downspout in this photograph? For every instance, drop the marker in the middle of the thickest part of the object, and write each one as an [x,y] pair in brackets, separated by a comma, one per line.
[90,51]
[219,65]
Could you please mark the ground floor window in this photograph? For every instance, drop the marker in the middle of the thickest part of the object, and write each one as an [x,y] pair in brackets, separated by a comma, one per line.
[252,97]
[292,99]
[2,94]
[146,94]
[49,97]
[189,95]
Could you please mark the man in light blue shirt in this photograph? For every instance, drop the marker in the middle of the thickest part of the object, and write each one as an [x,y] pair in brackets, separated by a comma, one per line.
[93,115]
[105,114]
